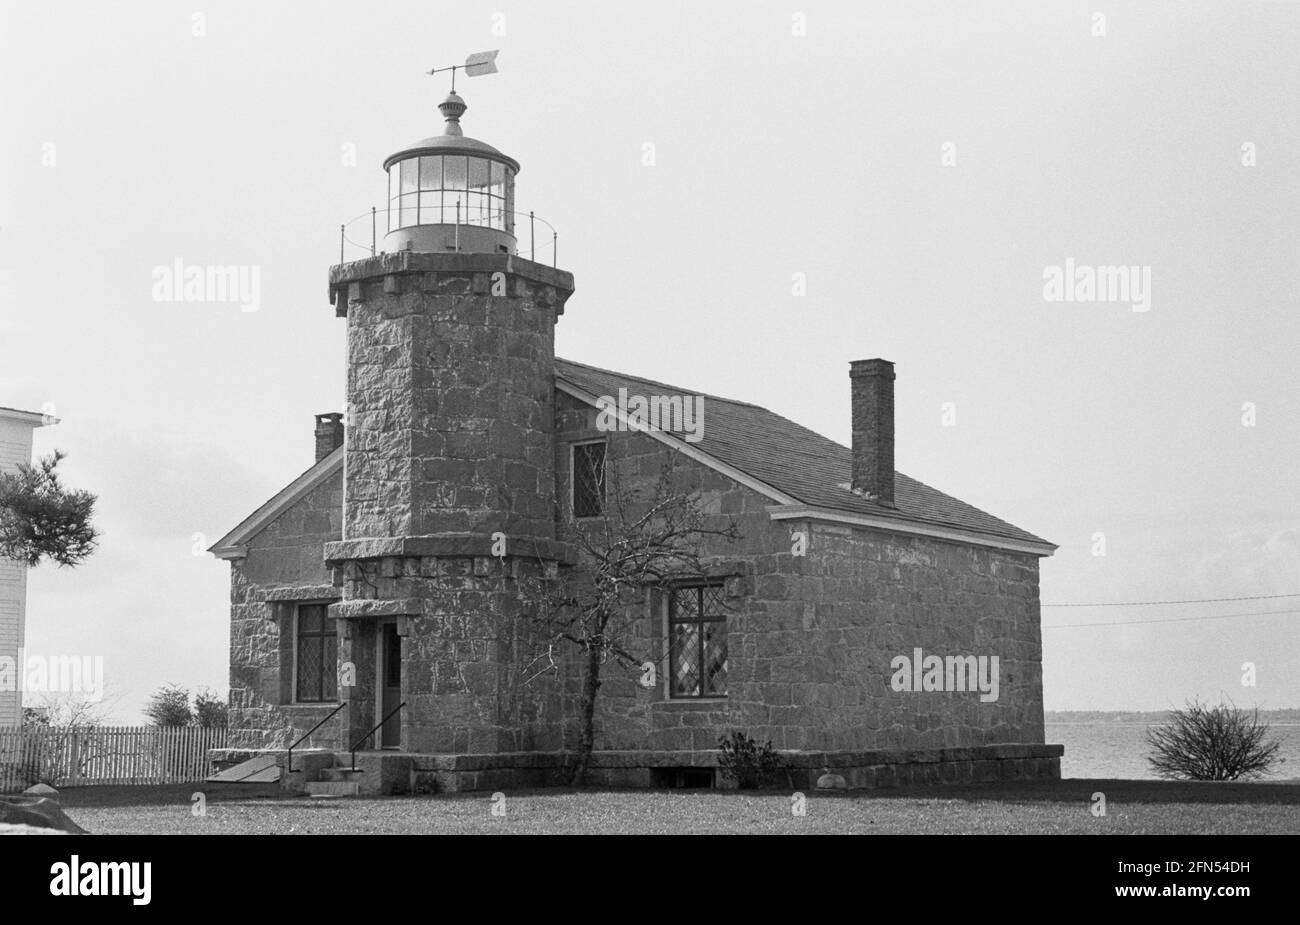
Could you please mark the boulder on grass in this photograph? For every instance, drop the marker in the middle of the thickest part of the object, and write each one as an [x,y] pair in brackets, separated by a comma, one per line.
[38,812]
[7,829]
[829,781]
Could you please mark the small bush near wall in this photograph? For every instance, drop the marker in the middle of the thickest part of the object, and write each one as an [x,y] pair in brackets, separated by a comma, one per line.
[750,765]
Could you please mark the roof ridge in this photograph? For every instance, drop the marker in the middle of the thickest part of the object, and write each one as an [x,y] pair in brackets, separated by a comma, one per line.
[815,465]
[666,385]
[774,452]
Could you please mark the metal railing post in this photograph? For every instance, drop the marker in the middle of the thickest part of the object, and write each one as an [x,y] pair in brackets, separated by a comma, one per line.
[373,230]
[341,240]
[379,725]
[532,237]
[457,226]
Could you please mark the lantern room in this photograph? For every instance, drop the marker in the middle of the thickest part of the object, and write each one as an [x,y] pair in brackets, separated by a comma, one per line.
[451,193]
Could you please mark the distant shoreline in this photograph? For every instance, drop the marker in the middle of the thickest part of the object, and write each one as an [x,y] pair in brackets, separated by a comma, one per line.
[1154,722]
[1140,717]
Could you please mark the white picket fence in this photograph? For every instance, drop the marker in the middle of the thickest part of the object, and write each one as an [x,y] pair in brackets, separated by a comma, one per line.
[74,757]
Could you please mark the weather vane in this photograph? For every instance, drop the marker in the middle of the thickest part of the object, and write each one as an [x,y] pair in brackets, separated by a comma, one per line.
[481,62]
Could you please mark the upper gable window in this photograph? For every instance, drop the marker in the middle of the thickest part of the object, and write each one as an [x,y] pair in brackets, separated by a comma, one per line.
[588,468]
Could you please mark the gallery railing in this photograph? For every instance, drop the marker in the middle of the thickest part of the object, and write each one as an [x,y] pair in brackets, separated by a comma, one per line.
[536,238]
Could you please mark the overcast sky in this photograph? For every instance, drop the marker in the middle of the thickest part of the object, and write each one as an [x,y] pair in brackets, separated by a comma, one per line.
[922,165]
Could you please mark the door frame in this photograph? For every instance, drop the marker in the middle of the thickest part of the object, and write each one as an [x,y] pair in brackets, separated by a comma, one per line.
[381,665]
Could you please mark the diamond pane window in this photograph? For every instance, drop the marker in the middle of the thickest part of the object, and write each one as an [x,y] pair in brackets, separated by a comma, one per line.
[685,667]
[317,655]
[588,479]
[697,632]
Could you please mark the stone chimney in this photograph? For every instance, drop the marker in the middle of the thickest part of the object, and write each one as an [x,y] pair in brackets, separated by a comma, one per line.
[329,434]
[873,429]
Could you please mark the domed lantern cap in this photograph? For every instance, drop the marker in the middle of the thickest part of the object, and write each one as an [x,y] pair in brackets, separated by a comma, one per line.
[452,141]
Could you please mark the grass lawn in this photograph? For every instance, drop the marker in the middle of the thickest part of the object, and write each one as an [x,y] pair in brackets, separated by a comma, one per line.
[1051,807]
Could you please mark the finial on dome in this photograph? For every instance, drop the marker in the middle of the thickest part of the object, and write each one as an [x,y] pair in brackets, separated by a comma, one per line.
[452,108]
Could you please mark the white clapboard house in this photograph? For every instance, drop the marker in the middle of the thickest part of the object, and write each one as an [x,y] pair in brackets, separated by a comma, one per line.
[15,447]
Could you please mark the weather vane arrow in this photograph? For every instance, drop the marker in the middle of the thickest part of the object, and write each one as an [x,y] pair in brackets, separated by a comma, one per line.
[481,62]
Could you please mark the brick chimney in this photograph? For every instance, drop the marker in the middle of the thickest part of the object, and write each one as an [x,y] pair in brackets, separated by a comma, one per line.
[329,434]
[873,429]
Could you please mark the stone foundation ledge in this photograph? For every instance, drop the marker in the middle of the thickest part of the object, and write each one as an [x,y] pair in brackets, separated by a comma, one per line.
[860,770]
[709,759]
[402,772]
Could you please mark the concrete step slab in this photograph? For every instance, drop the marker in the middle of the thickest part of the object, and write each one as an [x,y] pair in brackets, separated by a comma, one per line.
[332,788]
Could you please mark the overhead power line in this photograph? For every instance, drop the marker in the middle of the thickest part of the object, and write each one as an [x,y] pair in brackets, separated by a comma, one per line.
[1196,600]
[1222,616]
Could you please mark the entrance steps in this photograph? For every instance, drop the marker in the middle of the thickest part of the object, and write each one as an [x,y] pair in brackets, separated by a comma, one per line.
[336,782]
[328,775]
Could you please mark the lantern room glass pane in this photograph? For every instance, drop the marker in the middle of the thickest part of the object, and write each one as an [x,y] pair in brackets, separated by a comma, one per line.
[510,201]
[431,172]
[431,208]
[478,174]
[480,209]
[426,190]
[408,215]
[393,173]
[453,172]
[409,167]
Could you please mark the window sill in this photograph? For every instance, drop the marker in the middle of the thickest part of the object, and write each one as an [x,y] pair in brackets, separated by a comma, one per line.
[691,701]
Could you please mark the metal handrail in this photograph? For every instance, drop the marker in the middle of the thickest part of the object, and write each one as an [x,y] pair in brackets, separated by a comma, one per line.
[379,725]
[289,763]
[373,216]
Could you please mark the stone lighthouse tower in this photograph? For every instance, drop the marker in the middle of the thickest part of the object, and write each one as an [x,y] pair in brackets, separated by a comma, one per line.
[449,481]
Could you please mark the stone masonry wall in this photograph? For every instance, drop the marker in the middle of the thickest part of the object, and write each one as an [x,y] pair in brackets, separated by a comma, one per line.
[465,657]
[450,445]
[811,638]
[285,555]
[451,401]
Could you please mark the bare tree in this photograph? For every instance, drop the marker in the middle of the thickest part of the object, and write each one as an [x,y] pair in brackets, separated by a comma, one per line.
[67,709]
[58,720]
[642,541]
[1211,743]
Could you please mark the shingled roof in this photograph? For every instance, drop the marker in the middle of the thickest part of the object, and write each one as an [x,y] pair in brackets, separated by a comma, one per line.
[800,468]
[795,460]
